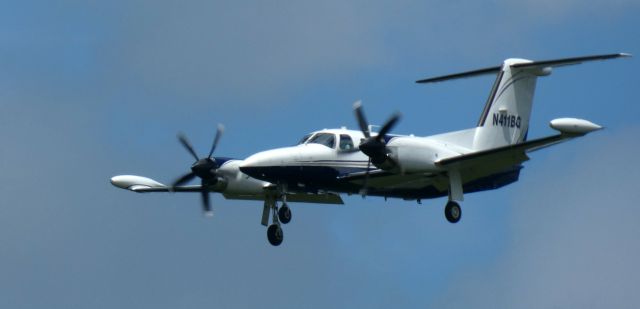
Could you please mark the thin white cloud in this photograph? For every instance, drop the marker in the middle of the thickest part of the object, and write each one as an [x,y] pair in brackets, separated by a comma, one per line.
[73,240]
[553,10]
[210,48]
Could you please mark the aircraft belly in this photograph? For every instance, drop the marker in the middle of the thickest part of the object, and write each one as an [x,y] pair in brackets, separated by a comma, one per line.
[298,174]
[311,178]
[437,186]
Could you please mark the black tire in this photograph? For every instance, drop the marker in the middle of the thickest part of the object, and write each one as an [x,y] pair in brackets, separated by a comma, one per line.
[284,214]
[275,235]
[453,212]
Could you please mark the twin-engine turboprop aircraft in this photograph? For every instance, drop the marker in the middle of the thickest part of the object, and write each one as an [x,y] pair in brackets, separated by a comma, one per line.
[329,162]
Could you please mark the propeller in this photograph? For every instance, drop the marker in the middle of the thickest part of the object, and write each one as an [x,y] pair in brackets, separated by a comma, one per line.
[203,168]
[374,147]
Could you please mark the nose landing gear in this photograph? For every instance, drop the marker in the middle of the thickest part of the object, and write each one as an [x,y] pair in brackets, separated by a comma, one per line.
[275,235]
[279,215]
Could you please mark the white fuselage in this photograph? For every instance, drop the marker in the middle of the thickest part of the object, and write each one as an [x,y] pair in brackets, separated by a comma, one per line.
[329,160]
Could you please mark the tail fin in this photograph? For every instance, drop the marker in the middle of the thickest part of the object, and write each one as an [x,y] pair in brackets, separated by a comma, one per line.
[505,118]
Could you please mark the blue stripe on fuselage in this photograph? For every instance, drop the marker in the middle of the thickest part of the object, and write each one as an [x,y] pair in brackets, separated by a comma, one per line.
[310,178]
[223,160]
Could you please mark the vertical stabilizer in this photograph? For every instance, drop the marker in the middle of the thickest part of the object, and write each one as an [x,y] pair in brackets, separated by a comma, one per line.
[505,118]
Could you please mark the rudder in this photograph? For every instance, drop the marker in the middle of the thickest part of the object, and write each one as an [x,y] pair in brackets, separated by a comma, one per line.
[505,118]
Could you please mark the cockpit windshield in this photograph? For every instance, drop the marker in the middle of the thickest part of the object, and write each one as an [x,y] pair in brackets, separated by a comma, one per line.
[304,139]
[327,139]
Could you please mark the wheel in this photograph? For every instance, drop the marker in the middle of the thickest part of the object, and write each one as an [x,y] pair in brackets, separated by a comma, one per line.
[453,212]
[275,235]
[284,214]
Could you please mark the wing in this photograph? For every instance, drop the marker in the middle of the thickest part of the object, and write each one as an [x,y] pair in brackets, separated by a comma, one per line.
[323,198]
[373,174]
[503,156]
[389,181]
[195,188]
[472,165]
[144,185]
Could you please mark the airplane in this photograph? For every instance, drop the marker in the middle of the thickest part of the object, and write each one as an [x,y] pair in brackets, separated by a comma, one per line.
[330,162]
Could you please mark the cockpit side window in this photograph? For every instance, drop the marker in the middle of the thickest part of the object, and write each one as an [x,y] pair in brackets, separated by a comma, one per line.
[304,139]
[346,143]
[326,139]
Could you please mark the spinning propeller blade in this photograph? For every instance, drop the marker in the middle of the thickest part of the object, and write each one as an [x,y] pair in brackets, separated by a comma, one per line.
[184,179]
[217,139]
[206,203]
[362,120]
[185,142]
[205,169]
[365,183]
[373,147]
[388,126]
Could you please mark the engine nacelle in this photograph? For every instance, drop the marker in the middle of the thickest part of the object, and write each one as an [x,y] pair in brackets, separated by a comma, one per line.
[220,185]
[416,154]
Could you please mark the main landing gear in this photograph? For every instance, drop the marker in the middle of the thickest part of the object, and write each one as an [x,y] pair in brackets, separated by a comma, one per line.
[279,215]
[453,212]
[284,214]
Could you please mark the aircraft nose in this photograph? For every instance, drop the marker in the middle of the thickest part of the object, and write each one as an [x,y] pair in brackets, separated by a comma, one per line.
[253,171]
[257,164]
[271,164]
[258,159]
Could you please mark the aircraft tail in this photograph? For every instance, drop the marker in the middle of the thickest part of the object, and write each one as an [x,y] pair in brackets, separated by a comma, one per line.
[505,117]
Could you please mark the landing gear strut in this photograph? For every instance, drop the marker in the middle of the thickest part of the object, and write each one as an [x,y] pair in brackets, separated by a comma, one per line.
[456,193]
[279,216]
[453,212]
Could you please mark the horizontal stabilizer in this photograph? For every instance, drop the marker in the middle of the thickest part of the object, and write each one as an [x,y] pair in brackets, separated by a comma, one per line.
[484,71]
[524,65]
[569,61]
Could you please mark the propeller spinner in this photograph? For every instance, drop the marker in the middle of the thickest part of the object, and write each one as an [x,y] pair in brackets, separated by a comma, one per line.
[203,168]
[374,147]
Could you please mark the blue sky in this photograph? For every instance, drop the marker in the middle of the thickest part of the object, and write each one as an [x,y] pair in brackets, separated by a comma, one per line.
[93,89]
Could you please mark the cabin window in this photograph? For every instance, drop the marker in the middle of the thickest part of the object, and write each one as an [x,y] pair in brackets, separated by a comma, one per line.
[326,139]
[346,143]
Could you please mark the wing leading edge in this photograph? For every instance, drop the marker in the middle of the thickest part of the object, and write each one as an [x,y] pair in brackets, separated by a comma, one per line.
[517,153]
[145,185]
[507,155]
